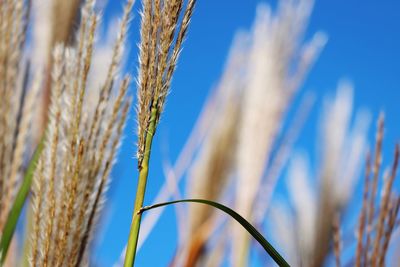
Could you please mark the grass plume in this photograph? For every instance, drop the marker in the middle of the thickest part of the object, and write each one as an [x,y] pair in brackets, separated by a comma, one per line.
[64,91]
[80,133]
[161,42]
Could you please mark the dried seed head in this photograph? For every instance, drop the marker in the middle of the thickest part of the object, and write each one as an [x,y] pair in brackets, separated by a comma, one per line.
[273,49]
[159,51]
[315,208]
[82,140]
[211,171]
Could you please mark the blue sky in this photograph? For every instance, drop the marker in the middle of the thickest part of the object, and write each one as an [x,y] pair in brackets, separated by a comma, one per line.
[363,47]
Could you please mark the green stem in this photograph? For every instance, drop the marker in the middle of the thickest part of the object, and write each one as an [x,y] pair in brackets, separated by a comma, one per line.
[18,204]
[140,193]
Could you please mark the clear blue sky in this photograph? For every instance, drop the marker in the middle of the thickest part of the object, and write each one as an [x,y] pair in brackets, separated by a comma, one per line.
[363,46]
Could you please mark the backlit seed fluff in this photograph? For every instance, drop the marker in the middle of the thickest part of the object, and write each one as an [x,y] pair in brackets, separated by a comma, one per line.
[161,42]
[81,141]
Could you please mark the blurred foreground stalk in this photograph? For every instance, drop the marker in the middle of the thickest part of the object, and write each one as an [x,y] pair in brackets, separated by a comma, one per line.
[18,204]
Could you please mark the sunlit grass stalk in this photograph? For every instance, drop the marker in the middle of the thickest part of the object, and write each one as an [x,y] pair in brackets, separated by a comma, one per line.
[161,42]
[140,191]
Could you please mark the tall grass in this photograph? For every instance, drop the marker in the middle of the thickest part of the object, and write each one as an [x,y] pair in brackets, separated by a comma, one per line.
[160,45]
[81,142]
[62,117]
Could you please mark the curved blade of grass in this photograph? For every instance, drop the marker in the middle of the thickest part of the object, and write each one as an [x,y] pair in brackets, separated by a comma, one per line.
[250,228]
[18,204]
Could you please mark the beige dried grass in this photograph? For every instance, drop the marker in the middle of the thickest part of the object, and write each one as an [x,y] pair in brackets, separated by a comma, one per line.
[273,52]
[376,226]
[316,206]
[82,141]
[17,97]
[161,42]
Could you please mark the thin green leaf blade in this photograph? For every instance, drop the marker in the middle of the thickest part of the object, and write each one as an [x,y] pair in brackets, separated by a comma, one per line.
[15,212]
[248,226]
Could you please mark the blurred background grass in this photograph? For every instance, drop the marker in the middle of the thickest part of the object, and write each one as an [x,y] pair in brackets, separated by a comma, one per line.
[363,47]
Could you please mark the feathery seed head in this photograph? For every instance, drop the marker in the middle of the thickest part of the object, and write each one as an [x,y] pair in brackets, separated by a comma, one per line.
[82,141]
[343,146]
[276,63]
[159,51]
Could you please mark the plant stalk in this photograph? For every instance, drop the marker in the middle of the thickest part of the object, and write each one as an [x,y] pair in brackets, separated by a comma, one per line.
[140,192]
[18,204]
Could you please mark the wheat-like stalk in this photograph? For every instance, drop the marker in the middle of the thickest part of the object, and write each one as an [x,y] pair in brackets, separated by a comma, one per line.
[274,46]
[316,208]
[161,42]
[210,173]
[82,138]
[376,225]
[17,102]
[363,214]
